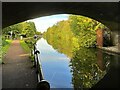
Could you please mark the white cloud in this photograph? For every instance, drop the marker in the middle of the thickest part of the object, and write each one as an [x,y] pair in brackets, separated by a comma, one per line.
[42,23]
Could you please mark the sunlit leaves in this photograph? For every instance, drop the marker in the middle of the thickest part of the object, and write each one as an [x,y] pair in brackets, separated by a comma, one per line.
[60,33]
[85,28]
[23,28]
[86,72]
[78,31]
[28,28]
[71,37]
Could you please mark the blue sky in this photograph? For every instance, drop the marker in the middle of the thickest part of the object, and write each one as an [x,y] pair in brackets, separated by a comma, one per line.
[42,23]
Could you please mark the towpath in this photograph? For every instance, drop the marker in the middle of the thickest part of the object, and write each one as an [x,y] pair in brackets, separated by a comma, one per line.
[17,72]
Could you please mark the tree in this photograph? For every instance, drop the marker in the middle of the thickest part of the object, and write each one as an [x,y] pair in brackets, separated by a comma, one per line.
[85,29]
[24,28]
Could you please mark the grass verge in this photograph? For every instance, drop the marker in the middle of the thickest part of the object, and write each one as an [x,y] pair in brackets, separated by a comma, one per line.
[25,46]
[27,49]
[3,48]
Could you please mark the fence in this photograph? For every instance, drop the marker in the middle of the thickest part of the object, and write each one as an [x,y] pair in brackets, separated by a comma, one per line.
[42,84]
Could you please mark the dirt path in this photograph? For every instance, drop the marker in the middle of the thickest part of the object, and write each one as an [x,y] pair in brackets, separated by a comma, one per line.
[17,72]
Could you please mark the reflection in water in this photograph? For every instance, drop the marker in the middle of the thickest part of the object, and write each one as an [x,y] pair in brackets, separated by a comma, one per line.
[55,66]
[103,60]
[111,64]
[85,70]
[80,68]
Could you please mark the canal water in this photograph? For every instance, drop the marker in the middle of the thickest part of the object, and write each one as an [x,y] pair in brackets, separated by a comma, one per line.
[64,67]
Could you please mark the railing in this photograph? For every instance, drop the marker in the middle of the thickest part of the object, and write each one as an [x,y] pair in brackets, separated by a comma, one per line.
[42,84]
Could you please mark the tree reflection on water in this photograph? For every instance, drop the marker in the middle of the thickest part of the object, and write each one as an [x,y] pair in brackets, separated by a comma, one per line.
[86,68]
[88,65]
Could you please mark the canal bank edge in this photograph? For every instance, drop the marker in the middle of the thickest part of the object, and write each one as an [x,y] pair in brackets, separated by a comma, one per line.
[112,49]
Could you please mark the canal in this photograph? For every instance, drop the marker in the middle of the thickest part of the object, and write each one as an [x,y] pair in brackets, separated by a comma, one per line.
[67,67]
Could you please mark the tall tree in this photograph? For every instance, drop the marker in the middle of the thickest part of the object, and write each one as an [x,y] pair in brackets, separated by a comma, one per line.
[23,28]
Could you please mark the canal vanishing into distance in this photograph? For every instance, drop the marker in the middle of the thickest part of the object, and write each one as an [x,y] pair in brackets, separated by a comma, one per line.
[65,67]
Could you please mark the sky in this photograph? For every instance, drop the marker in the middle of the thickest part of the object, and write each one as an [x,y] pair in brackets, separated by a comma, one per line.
[43,23]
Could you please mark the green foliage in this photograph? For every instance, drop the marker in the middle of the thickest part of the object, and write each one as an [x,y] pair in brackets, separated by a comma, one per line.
[38,33]
[85,70]
[0,54]
[5,42]
[24,28]
[79,30]
[5,46]
[24,46]
[28,29]
[14,28]
[28,45]
[74,37]
[60,33]
[85,29]
[30,42]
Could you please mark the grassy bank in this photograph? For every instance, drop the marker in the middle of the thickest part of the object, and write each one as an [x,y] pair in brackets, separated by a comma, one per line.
[4,47]
[25,46]
[27,49]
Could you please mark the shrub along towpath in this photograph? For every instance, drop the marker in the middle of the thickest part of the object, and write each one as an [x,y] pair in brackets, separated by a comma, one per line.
[17,72]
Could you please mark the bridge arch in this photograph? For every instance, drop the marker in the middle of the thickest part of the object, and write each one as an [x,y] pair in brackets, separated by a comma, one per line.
[106,13]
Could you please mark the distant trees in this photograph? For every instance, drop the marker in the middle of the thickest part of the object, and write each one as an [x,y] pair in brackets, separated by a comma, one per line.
[79,31]
[27,29]
[84,29]
[73,37]
[59,33]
